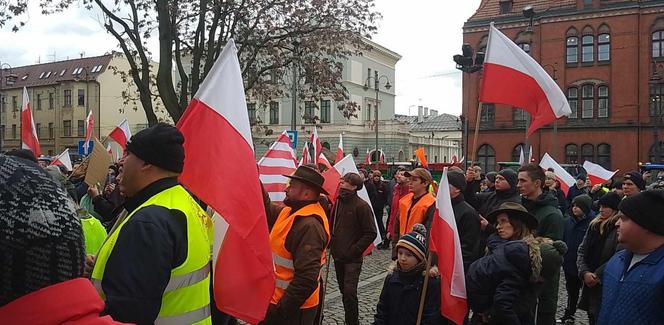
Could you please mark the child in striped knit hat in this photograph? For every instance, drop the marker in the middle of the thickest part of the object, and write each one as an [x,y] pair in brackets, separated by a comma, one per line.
[400,298]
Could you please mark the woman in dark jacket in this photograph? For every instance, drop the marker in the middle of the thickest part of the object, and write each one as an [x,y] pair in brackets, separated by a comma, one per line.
[599,244]
[502,287]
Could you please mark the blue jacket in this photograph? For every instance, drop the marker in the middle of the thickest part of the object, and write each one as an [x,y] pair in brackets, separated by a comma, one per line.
[573,236]
[634,297]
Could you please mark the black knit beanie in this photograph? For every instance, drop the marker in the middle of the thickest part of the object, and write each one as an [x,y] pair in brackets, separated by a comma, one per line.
[583,202]
[610,200]
[636,178]
[645,209]
[160,145]
[511,176]
[491,176]
[414,241]
[41,239]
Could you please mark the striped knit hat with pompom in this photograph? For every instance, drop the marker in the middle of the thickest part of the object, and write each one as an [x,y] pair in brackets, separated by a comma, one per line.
[415,241]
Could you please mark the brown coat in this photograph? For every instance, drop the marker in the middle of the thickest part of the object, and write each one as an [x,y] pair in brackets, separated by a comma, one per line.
[353,230]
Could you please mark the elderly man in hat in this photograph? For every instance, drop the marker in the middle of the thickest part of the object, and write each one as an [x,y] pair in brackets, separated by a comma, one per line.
[154,266]
[633,279]
[298,239]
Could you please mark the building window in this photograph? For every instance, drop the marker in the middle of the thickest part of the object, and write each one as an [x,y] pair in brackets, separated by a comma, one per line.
[38,102]
[588,101]
[525,47]
[274,113]
[573,99]
[325,111]
[587,152]
[604,155]
[50,131]
[81,97]
[603,101]
[658,44]
[14,104]
[251,109]
[2,132]
[67,97]
[571,154]
[309,111]
[66,128]
[369,116]
[81,128]
[587,48]
[656,152]
[505,6]
[572,49]
[488,115]
[50,101]
[519,117]
[486,157]
[516,152]
[656,99]
[38,127]
[603,47]
[13,131]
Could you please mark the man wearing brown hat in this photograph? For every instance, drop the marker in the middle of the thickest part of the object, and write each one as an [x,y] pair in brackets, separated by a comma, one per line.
[416,207]
[353,230]
[298,239]
[154,267]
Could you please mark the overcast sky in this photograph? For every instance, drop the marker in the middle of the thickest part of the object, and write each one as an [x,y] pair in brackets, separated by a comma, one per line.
[426,33]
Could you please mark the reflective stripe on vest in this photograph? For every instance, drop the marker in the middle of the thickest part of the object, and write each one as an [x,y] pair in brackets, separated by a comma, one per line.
[186,299]
[283,259]
[417,212]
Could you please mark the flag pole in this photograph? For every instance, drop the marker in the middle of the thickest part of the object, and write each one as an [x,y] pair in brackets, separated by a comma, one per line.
[420,311]
[473,153]
[327,265]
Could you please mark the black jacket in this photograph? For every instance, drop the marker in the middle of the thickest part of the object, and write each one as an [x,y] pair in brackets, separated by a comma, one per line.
[468,226]
[353,228]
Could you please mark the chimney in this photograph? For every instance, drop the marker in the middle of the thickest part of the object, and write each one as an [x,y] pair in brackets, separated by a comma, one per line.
[433,112]
[420,111]
[426,111]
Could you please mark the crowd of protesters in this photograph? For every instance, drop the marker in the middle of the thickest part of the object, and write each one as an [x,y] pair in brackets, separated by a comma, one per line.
[137,248]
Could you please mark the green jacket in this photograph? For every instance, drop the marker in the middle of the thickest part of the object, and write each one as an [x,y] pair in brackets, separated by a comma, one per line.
[552,260]
[551,223]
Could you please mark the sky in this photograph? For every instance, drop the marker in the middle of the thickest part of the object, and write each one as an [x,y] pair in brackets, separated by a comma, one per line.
[426,33]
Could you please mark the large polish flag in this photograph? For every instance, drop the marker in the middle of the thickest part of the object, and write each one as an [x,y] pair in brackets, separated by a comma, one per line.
[63,159]
[564,178]
[220,169]
[89,125]
[596,173]
[444,240]
[340,149]
[277,161]
[121,134]
[29,139]
[513,77]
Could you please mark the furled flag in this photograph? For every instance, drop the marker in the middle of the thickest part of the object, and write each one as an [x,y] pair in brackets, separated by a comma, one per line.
[422,157]
[89,125]
[382,156]
[596,173]
[279,160]
[306,156]
[63,159]
[316,144]
[121,134]
[110,151]
[564,178]
[340,149]
[530,154]
[29,139]
[522,159]
[220,169]
[512,77]
[444,240]
[367,160]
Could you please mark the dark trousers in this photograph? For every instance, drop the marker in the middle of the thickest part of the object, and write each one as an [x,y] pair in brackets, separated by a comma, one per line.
[573,286]
[379,220]
[348,275]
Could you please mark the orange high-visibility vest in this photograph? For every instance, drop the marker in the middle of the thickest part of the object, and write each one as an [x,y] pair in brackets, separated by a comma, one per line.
[417,213]
[283,259]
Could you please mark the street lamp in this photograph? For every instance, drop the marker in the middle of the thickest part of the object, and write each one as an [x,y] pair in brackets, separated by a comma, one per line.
[296,47]
[387,86]
[9,78]
[470,63]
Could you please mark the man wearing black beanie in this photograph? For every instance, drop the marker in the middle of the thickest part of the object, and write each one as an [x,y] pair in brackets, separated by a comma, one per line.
[633,281]
[155,264]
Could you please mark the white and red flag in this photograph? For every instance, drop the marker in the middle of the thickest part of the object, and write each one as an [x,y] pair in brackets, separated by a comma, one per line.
[277,161]
[89,125]
[382,156]
[340,149]
[121,134]
[316,144]
[512,77]
[63,159]
[596,173]
[367,160]
[220,169]
[564,178]
[322,160]
[29,139]
[444,240]
[522,159]
[306,157]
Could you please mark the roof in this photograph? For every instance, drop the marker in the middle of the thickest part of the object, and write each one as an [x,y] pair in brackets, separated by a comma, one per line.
[491,8]
[441,122]
[51,73]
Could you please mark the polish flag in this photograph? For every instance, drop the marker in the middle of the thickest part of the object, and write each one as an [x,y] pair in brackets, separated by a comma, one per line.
[422,157]
[306,157]
[512,77]
[279,160]
[340,149]
[89,125]
[382,156]
[322,160]
[29,139]
[530,154]
[367,160]
[444,240]
[110,151]
[522,159]
[121,134]
[316,144]
[596,173]
[564,178]
[63,159]
[220,169]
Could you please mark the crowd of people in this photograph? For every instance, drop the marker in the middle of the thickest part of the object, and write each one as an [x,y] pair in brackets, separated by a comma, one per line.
[137,249]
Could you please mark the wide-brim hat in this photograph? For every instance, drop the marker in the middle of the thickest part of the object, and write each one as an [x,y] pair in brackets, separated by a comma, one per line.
[310,176]
[514,210]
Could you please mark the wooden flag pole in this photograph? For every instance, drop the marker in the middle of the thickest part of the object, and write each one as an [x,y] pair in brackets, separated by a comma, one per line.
[423,296]
[473,153]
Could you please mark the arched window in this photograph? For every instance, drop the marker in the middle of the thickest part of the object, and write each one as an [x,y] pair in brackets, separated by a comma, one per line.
[656,152]
[587,152]
[658,44]
[402,156]
[572,49]
[486,157]
[603,47]
[573,99]
[587,48]
[604,155]
[571,154]
[602,101]
[516,152]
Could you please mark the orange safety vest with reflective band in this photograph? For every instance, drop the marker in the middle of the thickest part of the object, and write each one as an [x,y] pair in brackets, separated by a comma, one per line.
[417,213]
[283,259]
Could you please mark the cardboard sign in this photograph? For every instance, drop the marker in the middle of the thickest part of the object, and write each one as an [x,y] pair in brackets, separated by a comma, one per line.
[98,165]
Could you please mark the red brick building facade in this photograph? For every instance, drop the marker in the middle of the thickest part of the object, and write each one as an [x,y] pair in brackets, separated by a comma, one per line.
[607,57]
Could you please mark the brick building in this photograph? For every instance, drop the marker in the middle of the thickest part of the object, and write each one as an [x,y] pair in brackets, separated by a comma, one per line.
[608,58]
